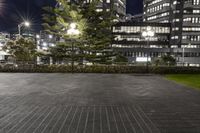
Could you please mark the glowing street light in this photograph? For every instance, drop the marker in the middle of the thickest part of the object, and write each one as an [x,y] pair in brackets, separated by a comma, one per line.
[73,25]
[25,23]
[73,30]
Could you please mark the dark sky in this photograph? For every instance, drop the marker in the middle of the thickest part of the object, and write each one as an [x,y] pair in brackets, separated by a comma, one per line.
[13,12]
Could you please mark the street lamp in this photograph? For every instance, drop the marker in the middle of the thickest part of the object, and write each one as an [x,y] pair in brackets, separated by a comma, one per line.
[183,54]
[73,31]
[148,34]
[25,23]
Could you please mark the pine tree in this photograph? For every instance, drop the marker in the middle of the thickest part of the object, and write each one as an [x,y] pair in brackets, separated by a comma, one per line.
[98,33]
[95,27]
[57,22]
[22,49]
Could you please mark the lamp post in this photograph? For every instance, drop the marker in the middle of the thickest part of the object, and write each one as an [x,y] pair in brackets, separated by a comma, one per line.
[183,54]
[25,23]
[148,34]
[73,31]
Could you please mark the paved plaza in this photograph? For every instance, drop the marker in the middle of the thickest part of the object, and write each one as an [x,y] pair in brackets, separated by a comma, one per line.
[96,103]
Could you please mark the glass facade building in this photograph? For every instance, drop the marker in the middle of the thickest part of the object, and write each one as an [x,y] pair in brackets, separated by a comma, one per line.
[184,17]
[128,40]
[4,38]
[118,7]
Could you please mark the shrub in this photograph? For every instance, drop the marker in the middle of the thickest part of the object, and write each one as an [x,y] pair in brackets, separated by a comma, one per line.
[175,70]
[100,69]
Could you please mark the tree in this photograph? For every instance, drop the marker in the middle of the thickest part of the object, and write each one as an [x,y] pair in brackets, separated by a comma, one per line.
[22,49]
[95,27]
[61,53]
[57,22]
[98,33]
[168,60]
[165,60]
[120,59]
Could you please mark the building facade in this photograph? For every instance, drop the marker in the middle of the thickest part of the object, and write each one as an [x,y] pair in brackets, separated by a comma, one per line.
[44,42]
[184,17]
[118,7]
[130,42]
[4,38]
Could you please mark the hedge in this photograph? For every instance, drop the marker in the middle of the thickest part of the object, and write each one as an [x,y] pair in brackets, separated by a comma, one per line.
[101,69]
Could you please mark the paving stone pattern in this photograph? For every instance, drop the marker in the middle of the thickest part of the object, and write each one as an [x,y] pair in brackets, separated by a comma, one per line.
[96,103]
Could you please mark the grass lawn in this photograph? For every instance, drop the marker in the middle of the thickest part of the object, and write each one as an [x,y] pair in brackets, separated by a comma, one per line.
[192,80]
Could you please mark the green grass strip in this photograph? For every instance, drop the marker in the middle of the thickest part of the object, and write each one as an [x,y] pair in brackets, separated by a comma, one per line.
[191,80]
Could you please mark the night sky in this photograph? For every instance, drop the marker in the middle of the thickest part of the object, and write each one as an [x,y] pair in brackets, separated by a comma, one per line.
[13,12]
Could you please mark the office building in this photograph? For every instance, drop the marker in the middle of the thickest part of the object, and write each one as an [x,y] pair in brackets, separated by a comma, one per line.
[184,17]
[118,7]
[44,42]
[4,38]
[130,42]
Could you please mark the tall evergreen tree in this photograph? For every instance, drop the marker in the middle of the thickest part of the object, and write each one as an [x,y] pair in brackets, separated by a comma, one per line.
[95,28]
[57,22]
[99,32]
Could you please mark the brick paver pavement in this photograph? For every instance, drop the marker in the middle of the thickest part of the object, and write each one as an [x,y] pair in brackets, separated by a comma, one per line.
[96,103]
